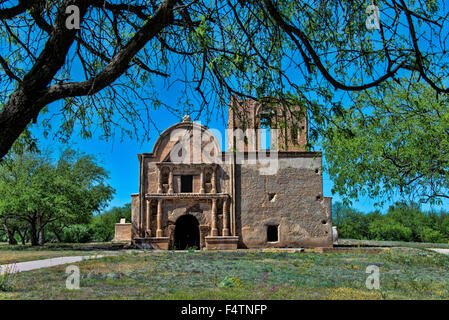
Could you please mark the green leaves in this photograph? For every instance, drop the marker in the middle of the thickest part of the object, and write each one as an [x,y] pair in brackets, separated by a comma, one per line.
[103,224]
[399,143]
[402,222]
[59,194]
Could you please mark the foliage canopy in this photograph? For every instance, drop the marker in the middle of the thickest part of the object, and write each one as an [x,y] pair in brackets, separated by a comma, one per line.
[391,142]
[39,194]
[210,50]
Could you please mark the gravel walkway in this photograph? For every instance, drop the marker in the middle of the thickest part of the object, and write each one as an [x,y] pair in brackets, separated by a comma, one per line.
[444,251]
[45,263]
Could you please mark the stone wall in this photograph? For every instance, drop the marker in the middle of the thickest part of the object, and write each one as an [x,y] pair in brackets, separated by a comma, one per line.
[122,232]
[135,218]
[249,114]
[292,199]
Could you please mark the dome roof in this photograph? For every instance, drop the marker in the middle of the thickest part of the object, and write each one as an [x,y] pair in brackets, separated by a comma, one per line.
[173,134]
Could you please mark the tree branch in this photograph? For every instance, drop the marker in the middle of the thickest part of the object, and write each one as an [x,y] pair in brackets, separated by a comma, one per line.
[118,64]
[8,71]
[292,30]
[10,13]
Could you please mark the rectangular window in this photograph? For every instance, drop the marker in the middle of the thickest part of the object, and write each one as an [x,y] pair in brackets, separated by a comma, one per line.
[186,184]
[272,234]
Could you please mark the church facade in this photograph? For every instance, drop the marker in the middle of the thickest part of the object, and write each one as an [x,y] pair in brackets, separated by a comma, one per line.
[265,190]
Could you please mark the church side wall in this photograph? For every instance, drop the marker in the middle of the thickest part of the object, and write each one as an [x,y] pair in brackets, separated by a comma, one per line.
[135,204]
[292,200]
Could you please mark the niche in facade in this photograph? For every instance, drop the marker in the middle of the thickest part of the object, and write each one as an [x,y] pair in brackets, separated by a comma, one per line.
[186,183]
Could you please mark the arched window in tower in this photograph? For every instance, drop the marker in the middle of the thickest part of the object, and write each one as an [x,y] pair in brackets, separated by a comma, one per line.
[265,129]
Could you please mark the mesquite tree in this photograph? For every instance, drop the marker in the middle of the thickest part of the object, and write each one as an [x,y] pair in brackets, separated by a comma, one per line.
[105,73]
[393,142]
[39,194]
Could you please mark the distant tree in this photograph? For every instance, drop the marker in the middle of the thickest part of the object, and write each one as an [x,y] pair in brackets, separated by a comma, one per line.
[104,224]
[83,188]
[392,141]
[351,224]
[15,183]
[9,230]
[424,227]
[402,222]
[41,194]
[386,228]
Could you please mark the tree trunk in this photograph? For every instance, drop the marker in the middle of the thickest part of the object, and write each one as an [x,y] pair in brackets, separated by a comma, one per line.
[41,230]
[22,107]
[57,234]
[11,239]
[22,235]
[41,236]
[33,230]
[9,232]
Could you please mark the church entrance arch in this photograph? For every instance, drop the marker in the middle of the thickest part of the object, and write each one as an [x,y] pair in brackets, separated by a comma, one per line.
[187,233]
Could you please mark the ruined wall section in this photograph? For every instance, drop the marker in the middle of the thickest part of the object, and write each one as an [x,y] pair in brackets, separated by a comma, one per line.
[135,215]
[289,120]
[292,200]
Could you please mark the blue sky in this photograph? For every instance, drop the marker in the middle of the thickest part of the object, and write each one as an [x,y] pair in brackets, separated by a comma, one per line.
[119,157]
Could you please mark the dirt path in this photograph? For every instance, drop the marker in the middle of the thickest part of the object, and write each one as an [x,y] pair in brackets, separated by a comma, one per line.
[47,263]
[444,251]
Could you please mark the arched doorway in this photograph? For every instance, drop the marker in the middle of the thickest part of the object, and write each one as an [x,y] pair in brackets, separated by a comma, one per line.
[187,233]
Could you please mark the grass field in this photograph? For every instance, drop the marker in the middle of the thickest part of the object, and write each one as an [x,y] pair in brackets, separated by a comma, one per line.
[405,273]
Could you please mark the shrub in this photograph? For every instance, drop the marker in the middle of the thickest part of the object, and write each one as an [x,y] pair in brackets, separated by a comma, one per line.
[351,224]
[231,281]
[427,234]
[7,278]
[388,229]
[104,224]
[402,222]
[78,233]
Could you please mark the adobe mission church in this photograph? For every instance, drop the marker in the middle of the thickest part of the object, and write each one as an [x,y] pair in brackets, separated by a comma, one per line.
[231,204]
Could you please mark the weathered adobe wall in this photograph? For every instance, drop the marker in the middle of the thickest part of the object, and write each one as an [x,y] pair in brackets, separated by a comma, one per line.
[224,179]
[151,178]
[249,113]
[173,209]
[150,174]
[122,232]
[150,185]
[299,208]
[135,203]
[200,209]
